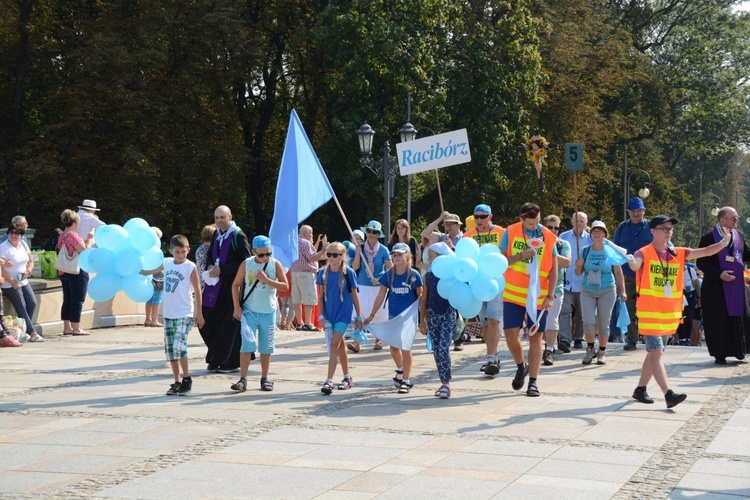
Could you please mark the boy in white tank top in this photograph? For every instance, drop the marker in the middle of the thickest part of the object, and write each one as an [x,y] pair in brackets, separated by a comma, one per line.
[182,299]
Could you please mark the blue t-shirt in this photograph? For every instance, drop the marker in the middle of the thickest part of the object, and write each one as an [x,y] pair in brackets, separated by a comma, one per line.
[402,288]
[378,266]
[596,260]
[632,237]
[351,252]
[435,303]
[564,252]
[572,280]
[335,310]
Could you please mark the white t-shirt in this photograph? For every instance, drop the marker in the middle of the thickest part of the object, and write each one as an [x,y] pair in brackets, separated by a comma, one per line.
[19,256]
[178,289]
[88,222]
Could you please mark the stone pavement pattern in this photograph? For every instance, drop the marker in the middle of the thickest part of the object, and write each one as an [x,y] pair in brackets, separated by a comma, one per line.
[87,416]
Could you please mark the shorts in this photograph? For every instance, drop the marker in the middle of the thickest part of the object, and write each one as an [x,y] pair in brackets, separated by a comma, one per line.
[553,315]
[653,342]
[303,289]
[156,298]
[492,310]
[263,325]
[175,337]
[515,315]
[340,327]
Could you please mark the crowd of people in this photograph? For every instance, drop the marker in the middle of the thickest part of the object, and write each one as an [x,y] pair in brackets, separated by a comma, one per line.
[238,294]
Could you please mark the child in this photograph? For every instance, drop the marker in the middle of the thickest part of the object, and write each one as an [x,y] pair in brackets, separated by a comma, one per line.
[438,320]
[263,276]
[404,286]
[337,296]
[153,304]
[181,281]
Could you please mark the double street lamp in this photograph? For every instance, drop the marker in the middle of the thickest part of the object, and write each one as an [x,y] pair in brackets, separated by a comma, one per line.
[387,166]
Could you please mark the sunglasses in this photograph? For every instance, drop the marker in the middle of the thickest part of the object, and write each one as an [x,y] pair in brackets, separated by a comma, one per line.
[553,228]
[372,231]
[481,216]
[334,255]
[261,255]
[17,231]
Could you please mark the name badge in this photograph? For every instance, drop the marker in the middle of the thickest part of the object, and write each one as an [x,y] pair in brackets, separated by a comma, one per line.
[729,258]
[668,290]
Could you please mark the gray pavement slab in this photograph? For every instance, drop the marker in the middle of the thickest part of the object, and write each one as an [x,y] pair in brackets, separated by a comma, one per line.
[88,417]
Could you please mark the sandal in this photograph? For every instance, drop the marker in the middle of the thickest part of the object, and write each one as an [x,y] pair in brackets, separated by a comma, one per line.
[354,346]
[80,333]
[396,380]
[157,324]
[444,392]
[347,383]
[378,345]
[327,388]
[239,386]
[405,387]
[266,385]
[147,323]
[67,333]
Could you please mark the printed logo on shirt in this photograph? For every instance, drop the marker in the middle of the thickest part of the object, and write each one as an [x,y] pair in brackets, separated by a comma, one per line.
[172,279]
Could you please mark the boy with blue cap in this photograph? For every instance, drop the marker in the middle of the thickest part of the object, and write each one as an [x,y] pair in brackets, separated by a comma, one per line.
[262,276]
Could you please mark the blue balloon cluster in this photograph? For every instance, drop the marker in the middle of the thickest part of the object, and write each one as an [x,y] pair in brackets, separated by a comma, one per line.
[470,276]
[122,254]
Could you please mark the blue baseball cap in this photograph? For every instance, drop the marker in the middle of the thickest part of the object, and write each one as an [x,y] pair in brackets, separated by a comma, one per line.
[636,203]
[261,242]
[485,209]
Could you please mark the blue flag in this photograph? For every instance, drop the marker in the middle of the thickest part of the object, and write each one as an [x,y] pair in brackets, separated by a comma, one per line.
[615,254]
[302,188]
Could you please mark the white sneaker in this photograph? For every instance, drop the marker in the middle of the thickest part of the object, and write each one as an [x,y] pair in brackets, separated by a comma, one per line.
[36,338]
[589,357]
[601,357]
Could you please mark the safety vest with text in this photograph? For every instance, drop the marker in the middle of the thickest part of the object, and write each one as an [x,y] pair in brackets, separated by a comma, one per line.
[494,235]
[516,278]
[659,283]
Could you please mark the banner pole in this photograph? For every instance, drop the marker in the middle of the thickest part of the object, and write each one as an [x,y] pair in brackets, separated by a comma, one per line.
[351,235]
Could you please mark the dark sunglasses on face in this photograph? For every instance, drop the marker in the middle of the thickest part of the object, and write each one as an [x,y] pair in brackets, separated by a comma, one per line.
[373,231]
[334,255]
[261,255]
[553,228]
[481,216]
[17,231]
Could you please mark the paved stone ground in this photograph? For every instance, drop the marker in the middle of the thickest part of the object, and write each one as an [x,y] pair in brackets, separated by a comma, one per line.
[87,416]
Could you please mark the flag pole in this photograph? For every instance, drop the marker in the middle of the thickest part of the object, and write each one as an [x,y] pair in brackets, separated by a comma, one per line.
[351,235]
[440,195]
[575,223]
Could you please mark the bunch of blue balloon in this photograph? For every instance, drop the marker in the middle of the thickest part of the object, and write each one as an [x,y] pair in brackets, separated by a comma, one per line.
[123,260]
[470,276]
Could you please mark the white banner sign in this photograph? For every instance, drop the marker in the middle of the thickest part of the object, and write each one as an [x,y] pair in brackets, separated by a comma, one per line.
[437,151]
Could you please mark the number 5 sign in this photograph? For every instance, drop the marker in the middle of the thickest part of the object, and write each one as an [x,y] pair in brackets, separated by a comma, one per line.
[574,156]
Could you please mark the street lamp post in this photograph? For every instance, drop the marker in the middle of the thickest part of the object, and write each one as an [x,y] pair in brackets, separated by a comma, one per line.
[387,166]
[643,192]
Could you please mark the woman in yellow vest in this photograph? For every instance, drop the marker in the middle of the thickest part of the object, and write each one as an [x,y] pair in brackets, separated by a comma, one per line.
[520,243]
[659,281]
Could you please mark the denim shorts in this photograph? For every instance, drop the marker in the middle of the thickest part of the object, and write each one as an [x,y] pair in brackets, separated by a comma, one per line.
[653,342]
[492,310]
[514,317]
[156,298]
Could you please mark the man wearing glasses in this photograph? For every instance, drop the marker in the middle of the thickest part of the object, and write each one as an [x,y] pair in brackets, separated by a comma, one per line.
[632,234]
[659,270]
[552,222]
[571,326]
[723,294]
[492,312]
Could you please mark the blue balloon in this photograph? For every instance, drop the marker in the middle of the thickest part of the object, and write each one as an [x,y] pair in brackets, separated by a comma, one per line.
[138,288]
[488,248]
[460,296]
[472,309]
[129,262]
[467,248]
[442,266]
[111,236]
[135,223]
[493,265]
[103,287]
[143,239]
[153,258]
[102,261]
[444,287]
[83,260]
[484,289]
[500,284]
[465,270]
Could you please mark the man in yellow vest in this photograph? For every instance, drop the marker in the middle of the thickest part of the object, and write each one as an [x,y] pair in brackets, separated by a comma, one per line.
[531,252]
[491,314]
[659,281]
